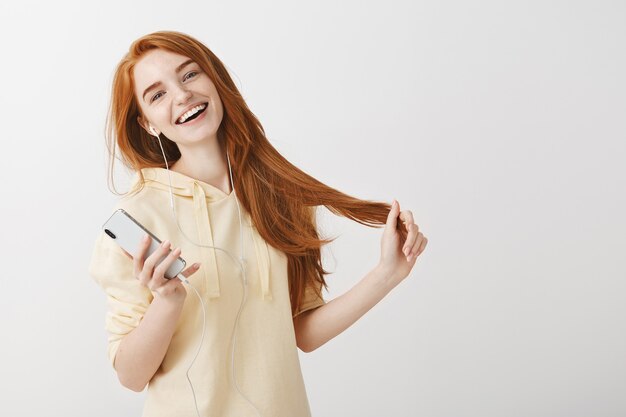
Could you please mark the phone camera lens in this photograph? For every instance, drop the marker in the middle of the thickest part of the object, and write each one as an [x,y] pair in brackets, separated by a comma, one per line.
[110,233]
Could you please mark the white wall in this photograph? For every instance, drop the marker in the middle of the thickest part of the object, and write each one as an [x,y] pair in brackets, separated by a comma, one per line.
[500,125]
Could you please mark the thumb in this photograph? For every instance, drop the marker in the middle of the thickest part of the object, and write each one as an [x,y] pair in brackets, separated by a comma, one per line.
[393,215]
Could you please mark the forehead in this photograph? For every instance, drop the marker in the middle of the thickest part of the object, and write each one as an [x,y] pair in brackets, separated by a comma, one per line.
[153,66]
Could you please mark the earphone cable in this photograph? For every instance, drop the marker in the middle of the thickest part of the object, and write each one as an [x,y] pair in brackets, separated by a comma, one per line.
[240,262]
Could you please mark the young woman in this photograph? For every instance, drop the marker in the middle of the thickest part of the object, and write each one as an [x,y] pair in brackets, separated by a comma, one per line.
[209,183]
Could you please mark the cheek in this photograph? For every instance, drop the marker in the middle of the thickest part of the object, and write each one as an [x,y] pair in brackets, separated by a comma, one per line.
[209,87]
[217,103]
[161,115]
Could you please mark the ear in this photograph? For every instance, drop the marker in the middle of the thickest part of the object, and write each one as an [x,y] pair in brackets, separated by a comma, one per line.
[143,123]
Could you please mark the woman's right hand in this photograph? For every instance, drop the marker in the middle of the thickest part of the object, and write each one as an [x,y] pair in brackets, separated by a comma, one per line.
[152,275]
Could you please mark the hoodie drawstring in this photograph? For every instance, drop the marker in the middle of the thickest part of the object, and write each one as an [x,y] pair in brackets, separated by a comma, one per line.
[263,258]
[205,236]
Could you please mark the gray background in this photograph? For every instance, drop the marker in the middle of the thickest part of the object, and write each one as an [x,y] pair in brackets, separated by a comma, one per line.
[500,125]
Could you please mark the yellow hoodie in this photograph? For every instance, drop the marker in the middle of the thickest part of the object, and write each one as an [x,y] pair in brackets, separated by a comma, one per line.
[266,357]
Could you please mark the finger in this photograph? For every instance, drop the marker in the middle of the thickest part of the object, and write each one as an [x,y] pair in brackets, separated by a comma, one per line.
[127,254]
[393,214]
[410,239]
[420,248]
[150,263]
[407,217]
[191,270]
[169,287]
[159,271]
[415,246]
[140,255]
[173,285]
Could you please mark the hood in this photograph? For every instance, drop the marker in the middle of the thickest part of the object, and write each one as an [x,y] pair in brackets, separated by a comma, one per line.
[203,194]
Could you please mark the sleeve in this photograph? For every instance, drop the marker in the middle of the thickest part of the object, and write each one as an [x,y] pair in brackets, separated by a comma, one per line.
[127,299]
[311,299]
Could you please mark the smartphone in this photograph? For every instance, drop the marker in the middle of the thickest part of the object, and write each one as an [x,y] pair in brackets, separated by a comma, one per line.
[128,233]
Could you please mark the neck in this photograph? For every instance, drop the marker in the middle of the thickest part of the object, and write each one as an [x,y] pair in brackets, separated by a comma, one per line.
[206,163]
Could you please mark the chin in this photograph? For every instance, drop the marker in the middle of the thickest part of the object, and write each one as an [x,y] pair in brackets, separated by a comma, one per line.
[206,135]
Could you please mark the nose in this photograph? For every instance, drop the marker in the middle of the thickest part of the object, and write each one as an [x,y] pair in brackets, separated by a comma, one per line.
[182,94]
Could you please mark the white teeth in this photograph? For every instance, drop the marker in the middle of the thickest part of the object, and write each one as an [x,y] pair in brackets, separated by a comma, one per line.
[191,112]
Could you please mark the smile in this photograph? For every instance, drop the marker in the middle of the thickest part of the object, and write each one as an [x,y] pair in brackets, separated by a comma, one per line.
[192,114]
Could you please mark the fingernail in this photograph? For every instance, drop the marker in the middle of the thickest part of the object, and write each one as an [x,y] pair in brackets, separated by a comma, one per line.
[146,237]
[196,265]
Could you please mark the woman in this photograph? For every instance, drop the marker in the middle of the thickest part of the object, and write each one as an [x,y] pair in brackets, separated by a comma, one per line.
[184,129]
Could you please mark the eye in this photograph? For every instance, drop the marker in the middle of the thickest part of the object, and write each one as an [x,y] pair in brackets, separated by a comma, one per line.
[192,72]
[156,96]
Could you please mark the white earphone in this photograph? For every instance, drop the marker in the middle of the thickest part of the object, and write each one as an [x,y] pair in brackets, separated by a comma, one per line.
[240,263]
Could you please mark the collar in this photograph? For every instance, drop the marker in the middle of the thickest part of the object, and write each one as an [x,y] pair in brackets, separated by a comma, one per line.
[204,194]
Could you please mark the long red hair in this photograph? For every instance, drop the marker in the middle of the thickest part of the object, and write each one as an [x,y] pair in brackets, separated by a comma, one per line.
[279,196]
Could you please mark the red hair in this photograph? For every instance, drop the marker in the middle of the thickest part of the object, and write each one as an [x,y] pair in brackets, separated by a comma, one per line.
[279,196]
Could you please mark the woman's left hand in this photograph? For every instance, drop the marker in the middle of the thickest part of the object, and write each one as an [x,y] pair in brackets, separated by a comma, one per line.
[397,258]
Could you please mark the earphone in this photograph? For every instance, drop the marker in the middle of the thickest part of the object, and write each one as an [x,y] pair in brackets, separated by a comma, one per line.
[239,261]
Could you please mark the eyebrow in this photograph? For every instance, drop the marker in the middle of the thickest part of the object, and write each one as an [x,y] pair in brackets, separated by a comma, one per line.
[158,83]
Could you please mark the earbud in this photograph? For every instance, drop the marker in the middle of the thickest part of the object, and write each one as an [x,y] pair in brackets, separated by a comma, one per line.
[154,131]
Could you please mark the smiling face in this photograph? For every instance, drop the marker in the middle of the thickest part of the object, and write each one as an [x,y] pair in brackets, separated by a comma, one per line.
[168,86]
